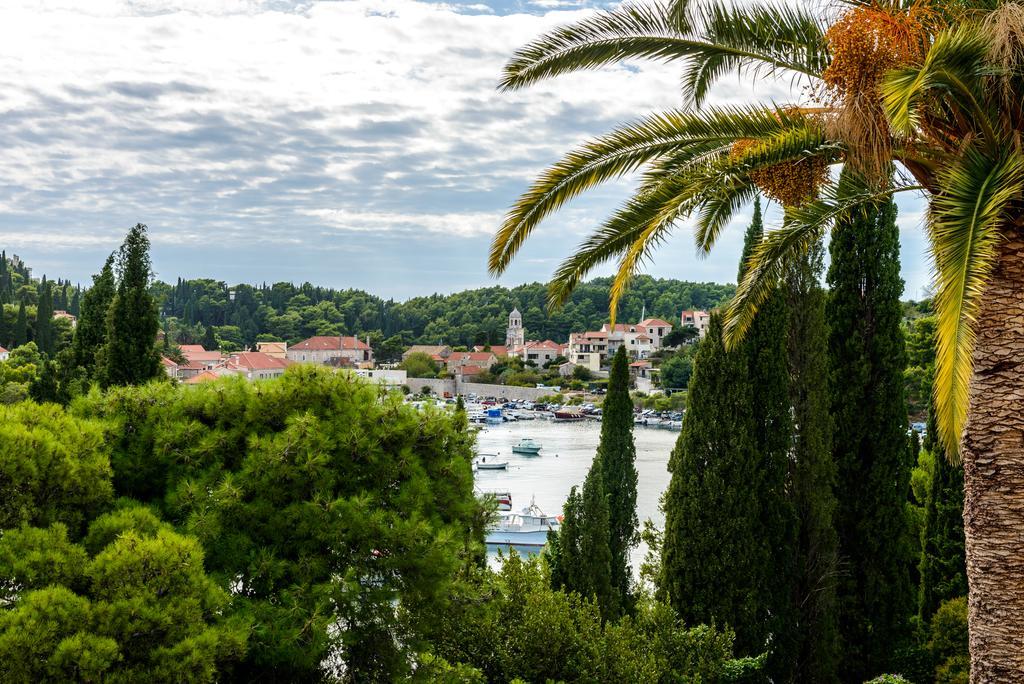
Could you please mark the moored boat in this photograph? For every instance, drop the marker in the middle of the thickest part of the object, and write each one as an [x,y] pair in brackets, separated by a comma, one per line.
[526,447]
[489,462]
[568,416]
[529,528]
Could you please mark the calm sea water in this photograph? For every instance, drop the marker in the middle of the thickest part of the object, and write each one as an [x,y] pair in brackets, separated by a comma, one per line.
[568,450]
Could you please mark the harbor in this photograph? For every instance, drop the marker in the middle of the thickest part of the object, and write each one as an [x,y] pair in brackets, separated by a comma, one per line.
[567,450]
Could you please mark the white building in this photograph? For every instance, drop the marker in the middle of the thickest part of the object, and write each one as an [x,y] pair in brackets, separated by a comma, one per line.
[588,349]
[701,320]
[390,377]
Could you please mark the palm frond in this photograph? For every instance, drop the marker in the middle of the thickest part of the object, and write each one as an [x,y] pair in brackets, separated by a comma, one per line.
[678,133]
[964,224]
[776,36]
[802,227]
[954,68]
[785,38]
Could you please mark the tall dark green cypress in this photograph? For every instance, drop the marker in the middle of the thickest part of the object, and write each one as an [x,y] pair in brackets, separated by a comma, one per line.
[21,326]
[942,568]
[766,345]
[130,357]
[5,328]
[716,556]
[813,473]
[866,358]
[91,331]
[617,453]
[582,558]
[44,318]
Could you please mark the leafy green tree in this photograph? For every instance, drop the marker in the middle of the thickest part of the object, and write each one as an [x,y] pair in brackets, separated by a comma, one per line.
[44,319]
[209,339]
[140,608]
[325,503]
[813,474]
[91,332]
[419,365]
[866,357]
[716,554]
[53,467]
[130,356]
[21,326]
[617,453]
[582,559]
[676,371]
[6,332]
[680,336]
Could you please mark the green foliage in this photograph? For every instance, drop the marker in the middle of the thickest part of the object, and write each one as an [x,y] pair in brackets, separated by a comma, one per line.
[130,357]
[866,356]
[21,326]
[949,642]
[91,331]
[513,626]
[676,371]
[581,557]
[317,499]
[718,551]
[53,468]
[942,569]
[140,608]
[44,320]
[616,453]
[813,474]
[419,365]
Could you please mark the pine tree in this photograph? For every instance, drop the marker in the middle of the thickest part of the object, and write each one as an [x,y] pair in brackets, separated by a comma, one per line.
[866,359]
[813,473]
[132,325]
[21,326]
[942,569]
[581,561]
[717,559]
[91,331]
[44,318]
[617,454]
[5,281]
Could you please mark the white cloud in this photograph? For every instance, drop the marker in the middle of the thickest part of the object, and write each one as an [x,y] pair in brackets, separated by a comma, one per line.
[278,120]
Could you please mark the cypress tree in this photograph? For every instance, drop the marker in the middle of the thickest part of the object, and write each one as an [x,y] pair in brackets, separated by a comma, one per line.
[132,324]
[581,561]
[5,329]
[21,326]
[716,556]
[813,474]
[617,454]
[91,331]
[866,358]
[766,346]
[44,319]
[209,339]
[942,568]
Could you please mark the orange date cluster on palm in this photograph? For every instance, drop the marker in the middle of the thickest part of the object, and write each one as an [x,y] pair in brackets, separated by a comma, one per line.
[870,40]
[790,183]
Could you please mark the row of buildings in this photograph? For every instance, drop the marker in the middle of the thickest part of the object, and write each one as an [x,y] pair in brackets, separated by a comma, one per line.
[591,350]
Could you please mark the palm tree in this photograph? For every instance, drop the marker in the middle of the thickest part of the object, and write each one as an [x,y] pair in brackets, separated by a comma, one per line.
[909,96]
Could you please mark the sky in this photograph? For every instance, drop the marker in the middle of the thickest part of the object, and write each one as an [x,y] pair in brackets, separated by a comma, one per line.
[353,144]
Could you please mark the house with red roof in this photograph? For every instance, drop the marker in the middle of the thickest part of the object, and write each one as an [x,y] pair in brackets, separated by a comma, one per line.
[657,329]
[457,360]
[540,353]
[196,355]
[170,366]
[337,350]
[256,365]
[701,320]
[4,354]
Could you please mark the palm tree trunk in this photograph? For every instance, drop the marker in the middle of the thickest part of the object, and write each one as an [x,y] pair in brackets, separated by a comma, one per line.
[993,452]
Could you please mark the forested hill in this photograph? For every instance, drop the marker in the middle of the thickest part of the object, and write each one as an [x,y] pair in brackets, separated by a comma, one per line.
[288,312]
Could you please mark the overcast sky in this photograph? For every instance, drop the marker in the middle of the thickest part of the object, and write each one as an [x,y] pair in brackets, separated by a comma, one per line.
[358,143]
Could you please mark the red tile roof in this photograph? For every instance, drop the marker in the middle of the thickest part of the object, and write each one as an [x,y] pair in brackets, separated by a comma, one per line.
[163,359]
[2,350]
[655,322]
[496,349]
[255,361]
[192,348]
[469,370]
[330,343]
[205,376]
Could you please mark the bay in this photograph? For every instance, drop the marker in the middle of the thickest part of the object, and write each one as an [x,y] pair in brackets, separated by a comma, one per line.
[567,451]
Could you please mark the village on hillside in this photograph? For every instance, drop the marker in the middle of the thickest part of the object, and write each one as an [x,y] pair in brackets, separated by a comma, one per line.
[585,355]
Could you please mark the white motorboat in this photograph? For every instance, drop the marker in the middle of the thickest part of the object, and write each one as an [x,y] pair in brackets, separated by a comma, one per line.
[526,447]
[489,462]
[529,528]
